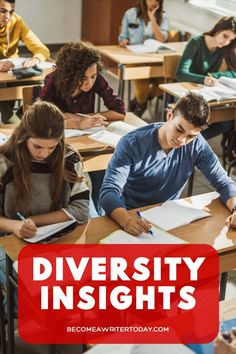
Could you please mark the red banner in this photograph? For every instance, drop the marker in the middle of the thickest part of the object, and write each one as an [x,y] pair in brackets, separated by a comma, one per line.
[118,294]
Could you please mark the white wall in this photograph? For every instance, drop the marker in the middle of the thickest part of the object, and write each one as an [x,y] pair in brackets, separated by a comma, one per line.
[58,21]
[189,18]
[54,21]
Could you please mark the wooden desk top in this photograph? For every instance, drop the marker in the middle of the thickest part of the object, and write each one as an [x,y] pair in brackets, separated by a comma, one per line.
[209,230]
[178,89]
[125,56]
[7,77]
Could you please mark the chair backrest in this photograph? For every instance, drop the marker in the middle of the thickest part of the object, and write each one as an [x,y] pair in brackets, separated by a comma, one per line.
[178,36]
[170,63]
[30,94]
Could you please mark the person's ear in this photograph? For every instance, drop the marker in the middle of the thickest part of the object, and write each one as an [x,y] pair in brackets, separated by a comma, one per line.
[169,115]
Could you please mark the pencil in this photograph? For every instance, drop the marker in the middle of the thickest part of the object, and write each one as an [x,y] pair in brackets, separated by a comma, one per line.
[209,74]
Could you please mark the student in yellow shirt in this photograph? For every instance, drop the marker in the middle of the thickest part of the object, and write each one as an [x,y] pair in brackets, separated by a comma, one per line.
[12,30]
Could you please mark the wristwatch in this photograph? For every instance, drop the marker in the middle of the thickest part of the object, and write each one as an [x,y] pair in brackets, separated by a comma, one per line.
[234,209]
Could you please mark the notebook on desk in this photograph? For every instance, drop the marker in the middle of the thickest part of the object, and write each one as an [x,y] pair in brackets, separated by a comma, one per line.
[173,213]
[49,232]
[158,237]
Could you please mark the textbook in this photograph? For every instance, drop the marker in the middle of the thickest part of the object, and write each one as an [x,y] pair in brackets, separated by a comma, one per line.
[225,327]
[225,89]
[158,237]
[113,133]
[49,232]
[173,213]
[18,63]
[140,349]
[150,46]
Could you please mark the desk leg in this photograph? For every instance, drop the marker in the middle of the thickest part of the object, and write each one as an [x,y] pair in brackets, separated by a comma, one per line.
[10,306]
[121,81]
[223,283]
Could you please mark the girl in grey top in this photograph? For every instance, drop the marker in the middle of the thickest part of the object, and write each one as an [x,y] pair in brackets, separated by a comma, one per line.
[39,176]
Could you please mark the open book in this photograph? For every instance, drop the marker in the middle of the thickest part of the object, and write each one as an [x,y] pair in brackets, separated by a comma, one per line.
[150,46]
[159,236]
[18,63]
[225,89]
[113,133]
[172,214]
[49,232]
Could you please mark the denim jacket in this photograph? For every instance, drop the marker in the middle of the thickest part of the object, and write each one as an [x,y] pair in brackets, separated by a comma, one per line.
[133,28]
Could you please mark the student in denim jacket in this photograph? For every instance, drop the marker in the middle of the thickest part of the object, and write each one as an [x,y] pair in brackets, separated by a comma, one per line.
[146,20]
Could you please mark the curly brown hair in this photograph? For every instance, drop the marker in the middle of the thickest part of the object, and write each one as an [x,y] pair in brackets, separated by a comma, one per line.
[73,60]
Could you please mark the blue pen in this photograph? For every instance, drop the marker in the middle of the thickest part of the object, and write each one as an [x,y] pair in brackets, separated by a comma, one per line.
[140,216]
[21,217]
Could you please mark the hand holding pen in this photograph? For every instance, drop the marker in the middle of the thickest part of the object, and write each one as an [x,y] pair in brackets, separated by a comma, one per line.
[210,80]
[136,225]
[25,228]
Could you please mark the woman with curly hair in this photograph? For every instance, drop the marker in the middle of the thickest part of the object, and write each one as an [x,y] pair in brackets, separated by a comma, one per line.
[74,83]
[146,20]
[212,52]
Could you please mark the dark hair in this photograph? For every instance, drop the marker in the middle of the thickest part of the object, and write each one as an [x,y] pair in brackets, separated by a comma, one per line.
[143,13]
[194,108]
[11,1]
[229,51]
[73,60]
[42,120]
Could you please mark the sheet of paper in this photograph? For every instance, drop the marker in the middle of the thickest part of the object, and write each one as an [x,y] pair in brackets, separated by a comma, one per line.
[3,138]
[70,133]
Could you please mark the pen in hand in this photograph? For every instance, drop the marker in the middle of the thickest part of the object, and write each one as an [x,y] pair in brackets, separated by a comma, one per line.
[140,216]
[21,217]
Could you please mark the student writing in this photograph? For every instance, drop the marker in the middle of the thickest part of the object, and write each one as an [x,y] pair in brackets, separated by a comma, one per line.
[145,20]
[214,53]
[13,29]
[74,83]
[152,164]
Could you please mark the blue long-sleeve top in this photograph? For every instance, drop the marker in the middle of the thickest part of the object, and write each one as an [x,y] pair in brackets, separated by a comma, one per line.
[141,173]
[137,35]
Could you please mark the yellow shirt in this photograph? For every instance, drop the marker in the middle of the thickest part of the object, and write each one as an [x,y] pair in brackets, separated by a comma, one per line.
[16,30]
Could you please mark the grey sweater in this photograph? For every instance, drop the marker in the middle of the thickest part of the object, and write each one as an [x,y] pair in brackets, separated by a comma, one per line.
[75,197]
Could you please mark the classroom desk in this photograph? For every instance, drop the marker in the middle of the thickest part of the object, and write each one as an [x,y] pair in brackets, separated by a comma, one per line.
[125,65]
[8,92]
[220,111]
[211,230]
[96,156]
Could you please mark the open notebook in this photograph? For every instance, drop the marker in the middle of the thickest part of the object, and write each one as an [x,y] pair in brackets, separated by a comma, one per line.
[49,232]
[225,89]
[158,237]
[150,46]
[113,133]
[173,213]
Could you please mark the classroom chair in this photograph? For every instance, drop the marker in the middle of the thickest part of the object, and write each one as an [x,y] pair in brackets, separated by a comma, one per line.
[228,144]
[170,63]
[30,94]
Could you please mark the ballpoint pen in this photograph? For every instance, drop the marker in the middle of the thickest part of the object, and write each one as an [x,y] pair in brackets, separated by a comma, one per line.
[21,217]
[140,216]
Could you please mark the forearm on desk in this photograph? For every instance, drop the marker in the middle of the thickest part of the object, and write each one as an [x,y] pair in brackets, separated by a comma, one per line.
[7,225]
[112,115]
[121,216]
[50,218]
